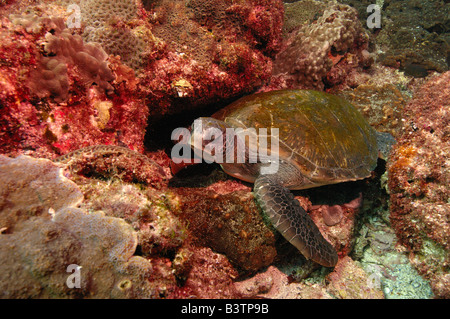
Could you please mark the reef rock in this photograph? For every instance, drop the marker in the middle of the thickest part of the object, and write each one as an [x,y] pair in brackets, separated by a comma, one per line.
[419,175]
[213,50]
[275,284]
[211,275]
[230,224]
[413,35]
[349,281]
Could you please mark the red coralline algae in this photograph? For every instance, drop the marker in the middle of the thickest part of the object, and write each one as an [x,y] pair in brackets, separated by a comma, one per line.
[110,160]
[19,119]
[264,20]
[213,50]
[67,93]
[230,224]
[35,119]
[336,222]
[211,276]
[419,179]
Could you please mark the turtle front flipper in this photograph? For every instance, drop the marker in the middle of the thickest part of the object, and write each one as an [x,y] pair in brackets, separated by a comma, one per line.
[291,220]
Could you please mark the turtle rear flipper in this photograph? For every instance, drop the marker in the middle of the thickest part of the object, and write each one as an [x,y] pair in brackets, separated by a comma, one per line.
[291,220]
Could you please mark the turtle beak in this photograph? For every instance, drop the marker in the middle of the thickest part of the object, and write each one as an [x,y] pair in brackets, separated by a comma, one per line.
[181,161]
[176,167]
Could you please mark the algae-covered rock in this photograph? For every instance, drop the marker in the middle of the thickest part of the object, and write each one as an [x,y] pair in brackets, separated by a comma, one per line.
[419,175]
[32,187]
[230,224]
[350,281]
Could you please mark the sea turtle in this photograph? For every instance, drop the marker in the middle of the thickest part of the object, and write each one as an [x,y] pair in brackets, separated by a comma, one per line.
[322,140]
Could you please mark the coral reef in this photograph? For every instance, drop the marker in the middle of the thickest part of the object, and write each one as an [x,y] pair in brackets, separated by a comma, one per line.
[382,105]
[211,276]
[418,182]
[348,280]
[110,23]
[106,23]
[98,13]
[103,220]
[337,222]
[299,13]
[275,284]
[121,42]
[43,233]
[89,59]
[160,232]
[34,186]
[324,52]
[61,80]
[62,49]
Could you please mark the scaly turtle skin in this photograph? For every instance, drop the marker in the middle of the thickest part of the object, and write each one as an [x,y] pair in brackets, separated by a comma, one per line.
[322,140]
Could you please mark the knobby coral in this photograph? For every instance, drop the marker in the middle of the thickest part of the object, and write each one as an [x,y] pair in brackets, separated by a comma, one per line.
[317,47]
[61,50]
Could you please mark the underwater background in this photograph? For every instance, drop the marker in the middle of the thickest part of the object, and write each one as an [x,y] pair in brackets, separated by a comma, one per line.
[90,92]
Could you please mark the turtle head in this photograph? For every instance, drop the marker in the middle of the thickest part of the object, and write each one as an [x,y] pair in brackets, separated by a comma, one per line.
[208,136]
[385,141]
[216,141]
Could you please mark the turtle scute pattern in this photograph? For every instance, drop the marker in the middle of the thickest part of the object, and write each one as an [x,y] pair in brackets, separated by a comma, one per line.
[322,134]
